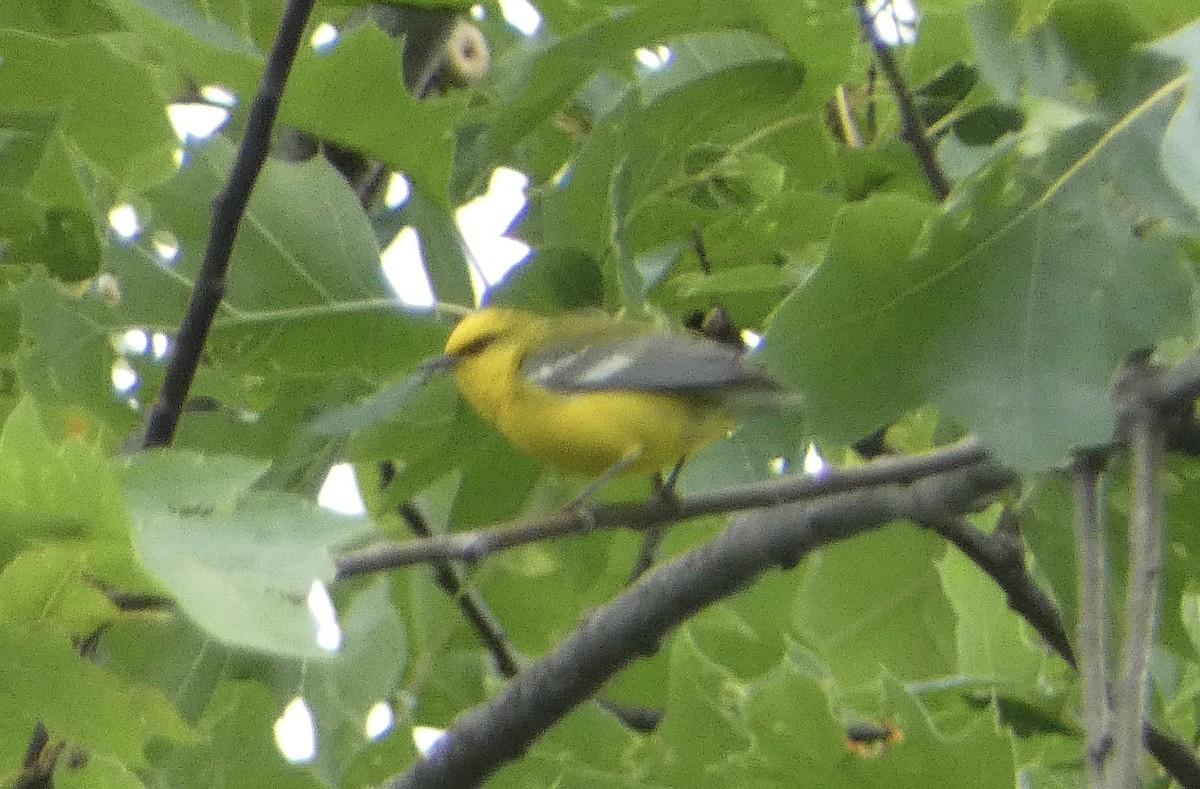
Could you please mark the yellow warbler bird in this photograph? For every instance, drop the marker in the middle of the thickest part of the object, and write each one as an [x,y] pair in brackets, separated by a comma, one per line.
[595,395]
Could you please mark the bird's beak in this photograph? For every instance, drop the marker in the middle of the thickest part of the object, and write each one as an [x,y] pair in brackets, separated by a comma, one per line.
[446,361]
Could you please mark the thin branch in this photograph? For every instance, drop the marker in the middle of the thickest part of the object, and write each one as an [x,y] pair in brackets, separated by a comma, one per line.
[635,623]
[489,628]
[872,122]
[1179,388]
[41,757]
[474,609]
[913,127]
[1091,542]
[1141,613]
[1001,555]
[648,552]
[228,209]
[476,545]
[1175,756]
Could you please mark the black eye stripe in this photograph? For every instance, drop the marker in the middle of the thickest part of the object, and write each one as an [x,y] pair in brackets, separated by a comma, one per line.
[477,345]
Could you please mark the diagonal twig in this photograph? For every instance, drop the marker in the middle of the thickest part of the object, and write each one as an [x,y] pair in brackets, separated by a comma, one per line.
[228,209]
[207,290]
[474,608]
[1000,556]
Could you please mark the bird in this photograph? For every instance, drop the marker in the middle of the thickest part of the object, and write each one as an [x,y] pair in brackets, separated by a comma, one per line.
[599,396]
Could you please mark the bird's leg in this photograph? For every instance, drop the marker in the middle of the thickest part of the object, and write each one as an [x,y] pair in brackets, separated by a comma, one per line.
[612,472]
[667,488]
[664,493]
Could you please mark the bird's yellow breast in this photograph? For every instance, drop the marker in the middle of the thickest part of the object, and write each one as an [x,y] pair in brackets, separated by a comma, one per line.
[585,432]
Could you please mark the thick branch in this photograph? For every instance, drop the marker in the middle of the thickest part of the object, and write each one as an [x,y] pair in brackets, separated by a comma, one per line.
[634,624]
[228,209]
[658,510]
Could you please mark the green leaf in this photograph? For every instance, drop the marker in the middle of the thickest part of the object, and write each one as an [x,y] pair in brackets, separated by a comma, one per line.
[98,772]
[875,604]
[200,44]
[380,407]
[241,563]
[835,339]
[24,138]
[63,493]
[708,136]
[187,22]
[553,280]
[443,250]
[992,644]
[574,213]
[305,287]
[239,749]
[743,633]
[376,336]
[703,722]
[41,678]
[538,81]
[366,671]
[47,587]
[980,754]
[1101,36]
[1048,528]
[1087,233]
[171,654]
[822,36]
[70,361]
[1180,160]
[304,240]
[58,19]
[1044,271]
[325,97]
[123,130]
[795,732]
[588,747]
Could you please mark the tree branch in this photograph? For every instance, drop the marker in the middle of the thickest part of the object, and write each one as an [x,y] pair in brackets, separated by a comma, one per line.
[1090,542]
[228,209]
[474,609]
[1001,555]
[209,287]
[913,129]
[1145,564]
[476,545]
[1179,388]
[635,623]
